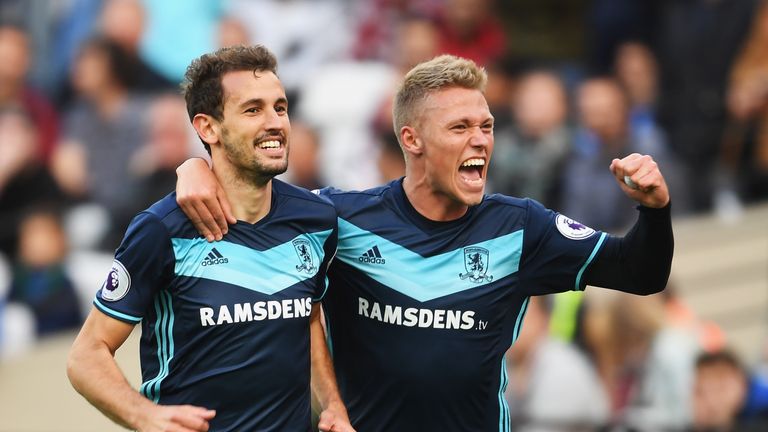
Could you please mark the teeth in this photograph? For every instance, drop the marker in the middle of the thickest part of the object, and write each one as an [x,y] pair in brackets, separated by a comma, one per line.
[474,162]
[269,144]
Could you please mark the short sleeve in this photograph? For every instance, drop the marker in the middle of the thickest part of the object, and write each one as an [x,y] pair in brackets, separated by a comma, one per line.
[140,269]
[557,251]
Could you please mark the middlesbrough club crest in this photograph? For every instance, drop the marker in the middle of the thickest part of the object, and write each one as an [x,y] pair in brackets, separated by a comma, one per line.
[304,252]
[476,264]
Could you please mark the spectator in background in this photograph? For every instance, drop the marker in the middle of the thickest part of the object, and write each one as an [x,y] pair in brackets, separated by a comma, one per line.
[646,366]
[391,161]
[303,34]
[698,40]
[543,394]
[611,23]
[377,26]
[24,180]
[351,128]
[102,132]
[303,167]
[680,315]
[169,142]
[123,22]
[416,41]
[726,396]
[589,194]
[502,81]
[636,70]
[39,279]
[469,29]
[529,156]
[15,59]
[232,32]
[745,152]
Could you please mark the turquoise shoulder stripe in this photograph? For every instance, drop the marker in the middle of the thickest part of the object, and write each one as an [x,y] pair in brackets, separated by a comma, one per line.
[100,306]
[427,278]
[267,271]
[588,261]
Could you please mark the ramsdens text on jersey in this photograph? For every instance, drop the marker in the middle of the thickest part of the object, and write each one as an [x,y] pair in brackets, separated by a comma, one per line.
[258,311]
[417,317]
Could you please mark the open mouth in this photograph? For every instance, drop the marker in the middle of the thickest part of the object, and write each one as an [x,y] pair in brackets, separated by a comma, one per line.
[270,144]
[471,171]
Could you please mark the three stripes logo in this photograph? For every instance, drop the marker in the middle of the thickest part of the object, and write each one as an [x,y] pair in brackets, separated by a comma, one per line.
[213,258]
[372,256]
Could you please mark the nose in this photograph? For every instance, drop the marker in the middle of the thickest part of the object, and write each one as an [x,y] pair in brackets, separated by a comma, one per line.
[274,121]
[480,137]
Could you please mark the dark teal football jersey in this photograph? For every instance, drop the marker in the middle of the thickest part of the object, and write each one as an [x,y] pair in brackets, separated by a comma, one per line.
[225,325]
[420,313]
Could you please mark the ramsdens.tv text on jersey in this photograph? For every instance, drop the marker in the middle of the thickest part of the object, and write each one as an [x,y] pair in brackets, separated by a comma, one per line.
[417,317]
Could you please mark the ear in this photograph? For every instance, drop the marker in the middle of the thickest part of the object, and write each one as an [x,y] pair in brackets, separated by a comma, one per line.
[412,144]
[207,128]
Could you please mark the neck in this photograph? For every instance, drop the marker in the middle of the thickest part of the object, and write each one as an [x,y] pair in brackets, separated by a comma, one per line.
[250,199]
[430,203]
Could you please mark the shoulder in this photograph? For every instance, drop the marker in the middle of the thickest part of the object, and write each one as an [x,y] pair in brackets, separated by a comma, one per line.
[303,197]
[509,204]
[167,213]
[530,214]
[344,200]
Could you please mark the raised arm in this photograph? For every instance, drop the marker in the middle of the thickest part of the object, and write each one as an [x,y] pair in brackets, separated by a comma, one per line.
[93,372]
[202,199]
[334,417]
[639,262]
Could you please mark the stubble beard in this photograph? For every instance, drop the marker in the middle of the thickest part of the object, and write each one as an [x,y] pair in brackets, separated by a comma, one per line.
[246,165]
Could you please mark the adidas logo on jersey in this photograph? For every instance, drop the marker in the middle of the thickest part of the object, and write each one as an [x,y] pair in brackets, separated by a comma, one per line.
[213,258]
[372,256]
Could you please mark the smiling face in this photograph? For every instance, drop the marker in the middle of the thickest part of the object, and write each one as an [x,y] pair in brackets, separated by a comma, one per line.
[455,129]
[254,131]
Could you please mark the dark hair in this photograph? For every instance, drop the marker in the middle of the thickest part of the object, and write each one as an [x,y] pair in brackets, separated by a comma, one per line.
[721,357]
[118,60]
[202,87]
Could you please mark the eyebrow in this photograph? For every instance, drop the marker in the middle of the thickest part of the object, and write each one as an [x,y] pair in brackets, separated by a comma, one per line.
[259,101]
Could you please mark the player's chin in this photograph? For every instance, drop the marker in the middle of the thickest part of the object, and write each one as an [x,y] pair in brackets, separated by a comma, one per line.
[470,198]
[470,193]
[275,168]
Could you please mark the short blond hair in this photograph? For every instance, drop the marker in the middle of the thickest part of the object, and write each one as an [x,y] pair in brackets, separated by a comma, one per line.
[441,72]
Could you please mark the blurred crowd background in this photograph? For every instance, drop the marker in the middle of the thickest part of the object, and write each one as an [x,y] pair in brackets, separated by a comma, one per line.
[92,127]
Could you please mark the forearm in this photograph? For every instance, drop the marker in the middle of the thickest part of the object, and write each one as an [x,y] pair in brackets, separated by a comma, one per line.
[640,262]
[93,372]
[323,377]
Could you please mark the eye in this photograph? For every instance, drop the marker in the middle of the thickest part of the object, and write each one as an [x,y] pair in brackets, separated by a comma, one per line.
[459,127]
[252,110]
[488,127]
[281,109]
